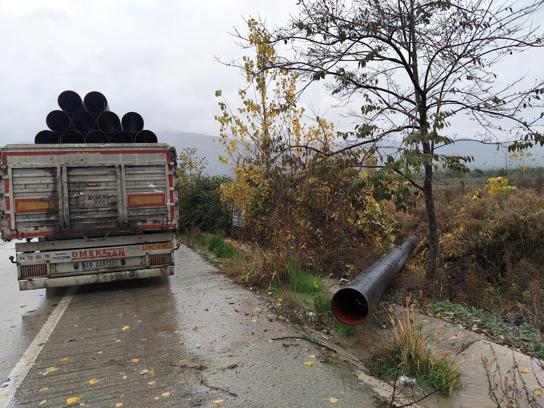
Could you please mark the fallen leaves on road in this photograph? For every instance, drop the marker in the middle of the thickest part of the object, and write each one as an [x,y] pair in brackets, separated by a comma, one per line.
[309,363]
[152,382]
[64,360]
[125,328]
[44,389]
[333,400]
[538,392]
[166,394]
[218,401]
[135,360]
[50,370]
[93,381]
[144,371]
[524,370]
[73,400]
[119,404]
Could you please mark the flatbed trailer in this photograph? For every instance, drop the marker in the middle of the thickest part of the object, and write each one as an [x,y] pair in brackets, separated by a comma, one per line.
[90,213]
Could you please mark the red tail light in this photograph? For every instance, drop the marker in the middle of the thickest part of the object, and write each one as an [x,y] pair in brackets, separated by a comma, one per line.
[33,271]
[162,259]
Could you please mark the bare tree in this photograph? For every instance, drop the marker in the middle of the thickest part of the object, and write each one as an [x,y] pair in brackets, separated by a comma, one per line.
[413,65]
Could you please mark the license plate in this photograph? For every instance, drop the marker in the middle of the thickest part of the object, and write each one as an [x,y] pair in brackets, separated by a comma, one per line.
[109,263]
[93,200]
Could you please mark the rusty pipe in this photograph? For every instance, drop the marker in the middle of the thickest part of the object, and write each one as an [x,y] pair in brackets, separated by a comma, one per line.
[352,304]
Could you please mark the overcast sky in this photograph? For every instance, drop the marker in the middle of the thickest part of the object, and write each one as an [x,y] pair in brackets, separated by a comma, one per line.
[156,57]
[153,57]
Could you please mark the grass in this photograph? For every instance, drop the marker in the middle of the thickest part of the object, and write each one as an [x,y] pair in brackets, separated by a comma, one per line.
[303,282]
[524,336]
[409,355]
[215,243]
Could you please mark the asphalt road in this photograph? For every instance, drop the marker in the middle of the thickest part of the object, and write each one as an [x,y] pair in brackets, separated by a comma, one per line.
[192,340]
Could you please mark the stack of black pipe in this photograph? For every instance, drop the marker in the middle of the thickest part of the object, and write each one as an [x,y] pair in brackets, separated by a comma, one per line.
[91,121]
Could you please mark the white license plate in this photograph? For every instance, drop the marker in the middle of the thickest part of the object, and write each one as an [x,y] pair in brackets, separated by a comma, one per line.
[109,263]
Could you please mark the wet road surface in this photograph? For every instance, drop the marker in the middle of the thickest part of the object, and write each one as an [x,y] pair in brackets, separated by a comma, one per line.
[192,340]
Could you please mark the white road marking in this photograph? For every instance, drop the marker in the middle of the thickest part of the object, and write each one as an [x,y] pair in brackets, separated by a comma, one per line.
[25,363]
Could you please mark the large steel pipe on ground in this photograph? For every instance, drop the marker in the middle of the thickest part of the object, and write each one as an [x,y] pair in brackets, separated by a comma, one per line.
[84,121]
[109,122]
[58,121]
[72,136]
[70,101]
[46,137]
[96,136]
[95,102]
[132,122]
[145,136]
[352,304]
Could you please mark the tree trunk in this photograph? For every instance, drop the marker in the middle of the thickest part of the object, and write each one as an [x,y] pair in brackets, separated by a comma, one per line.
[433,266]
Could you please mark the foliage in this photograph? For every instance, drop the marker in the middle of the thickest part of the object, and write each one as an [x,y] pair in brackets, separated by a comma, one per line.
[300,281]
[293,201]
[199,203]
[219,247]
[498,186]
[524,336]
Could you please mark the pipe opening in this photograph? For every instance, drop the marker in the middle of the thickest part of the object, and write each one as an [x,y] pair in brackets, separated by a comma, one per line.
[70,101]
[132,122]
[57,121]
[96,102]
[96,136]
[84,121]
[72,136]
[145,136]
[109,122]
[349,306]
[46,137]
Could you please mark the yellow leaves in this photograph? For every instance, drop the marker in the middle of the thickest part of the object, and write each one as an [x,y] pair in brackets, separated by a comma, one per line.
[333,400]
[537,392]
[44,389]
[135,360]
[218,401]
[93,381]
[125,328]
[166,394]
[50,370]
[64,360]
[524,370]
[119,404]
[309,363]
[497,186]
[152,382]
[73,400]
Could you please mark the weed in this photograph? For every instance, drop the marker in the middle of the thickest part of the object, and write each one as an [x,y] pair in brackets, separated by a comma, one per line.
[345,330]
[302,282]
[524,336]
[322,303]
[416,359]
[219,247]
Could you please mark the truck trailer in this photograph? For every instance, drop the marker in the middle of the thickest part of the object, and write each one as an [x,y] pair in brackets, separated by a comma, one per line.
[89,213]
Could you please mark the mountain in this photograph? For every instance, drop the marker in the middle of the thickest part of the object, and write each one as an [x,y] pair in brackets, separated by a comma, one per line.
[207,146]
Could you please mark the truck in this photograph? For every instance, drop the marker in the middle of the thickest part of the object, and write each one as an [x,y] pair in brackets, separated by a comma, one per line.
[88,213]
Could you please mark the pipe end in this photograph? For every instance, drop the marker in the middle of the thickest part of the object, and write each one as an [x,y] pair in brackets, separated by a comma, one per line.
[349,306]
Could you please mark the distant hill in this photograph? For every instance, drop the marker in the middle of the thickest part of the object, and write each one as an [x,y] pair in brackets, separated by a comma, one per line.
[485,156]
[207,146]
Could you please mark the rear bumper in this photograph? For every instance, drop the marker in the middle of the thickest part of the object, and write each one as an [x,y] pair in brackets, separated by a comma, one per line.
[40,283]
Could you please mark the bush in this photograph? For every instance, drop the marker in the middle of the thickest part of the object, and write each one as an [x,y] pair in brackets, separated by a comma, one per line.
[200,206]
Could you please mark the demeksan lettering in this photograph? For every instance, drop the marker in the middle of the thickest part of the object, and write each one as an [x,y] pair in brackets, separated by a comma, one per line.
[98,253]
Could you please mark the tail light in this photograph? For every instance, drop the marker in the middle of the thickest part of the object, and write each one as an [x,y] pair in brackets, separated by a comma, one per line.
[161,259]
[33,271]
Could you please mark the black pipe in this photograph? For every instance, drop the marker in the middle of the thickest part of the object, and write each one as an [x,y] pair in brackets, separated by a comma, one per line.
[84,121]
[96,136]
[121,137]
[96,102]
[72,136]
[132,122]
[352,304]
[58,121]
[145,136]
[46,137]
[70,101]
[109,122]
